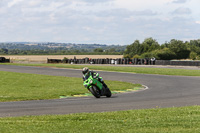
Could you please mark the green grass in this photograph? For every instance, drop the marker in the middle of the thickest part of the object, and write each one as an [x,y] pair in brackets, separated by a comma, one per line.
[141,70]
[21,86]
[176,120]
[18,86]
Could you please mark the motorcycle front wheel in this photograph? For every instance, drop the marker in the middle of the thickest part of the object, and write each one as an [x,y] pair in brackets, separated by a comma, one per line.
[95,91]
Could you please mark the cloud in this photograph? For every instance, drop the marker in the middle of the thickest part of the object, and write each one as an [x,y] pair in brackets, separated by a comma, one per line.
[147,12]
[197,22]
[14,2]
[97,21]
[96,1]
[179,1]
[182,11]
[124,13]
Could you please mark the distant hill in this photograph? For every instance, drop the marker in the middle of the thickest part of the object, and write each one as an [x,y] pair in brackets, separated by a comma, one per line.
[57,48]
[52,45]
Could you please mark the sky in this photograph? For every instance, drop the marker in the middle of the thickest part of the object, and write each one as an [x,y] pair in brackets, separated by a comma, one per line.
[99,21]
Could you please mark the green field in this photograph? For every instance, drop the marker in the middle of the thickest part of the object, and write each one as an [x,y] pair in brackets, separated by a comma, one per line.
[129,69]
[21,86]
[165,120]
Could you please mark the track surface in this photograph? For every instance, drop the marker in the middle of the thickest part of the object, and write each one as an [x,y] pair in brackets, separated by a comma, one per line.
[164,91]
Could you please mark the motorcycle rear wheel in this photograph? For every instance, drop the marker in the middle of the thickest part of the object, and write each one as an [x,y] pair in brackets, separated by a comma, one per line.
[108,93]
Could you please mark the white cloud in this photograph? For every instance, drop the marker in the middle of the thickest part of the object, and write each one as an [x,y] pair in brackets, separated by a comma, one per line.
[179,1]
[14,2]
[98,21]
[197,22]
[140,4]
[34,3]
[182,11]
[96,1]
[3,10]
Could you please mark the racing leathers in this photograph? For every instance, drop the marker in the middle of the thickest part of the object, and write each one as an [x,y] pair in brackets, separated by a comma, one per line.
[96,76]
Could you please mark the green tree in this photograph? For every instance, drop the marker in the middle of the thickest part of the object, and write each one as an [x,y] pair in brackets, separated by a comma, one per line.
[194,46]
[195,43]
[149,45]
[133,49]
[180,48]
[98,50]
[136,48]
[4,51]
[112,50]
[193,55]
[165,54]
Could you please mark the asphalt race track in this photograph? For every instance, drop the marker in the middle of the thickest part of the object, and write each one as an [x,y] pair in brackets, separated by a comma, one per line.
[163,91]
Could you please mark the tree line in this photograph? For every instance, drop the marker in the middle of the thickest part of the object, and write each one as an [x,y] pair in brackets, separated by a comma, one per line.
[97,51]
[26,48]
[175,49]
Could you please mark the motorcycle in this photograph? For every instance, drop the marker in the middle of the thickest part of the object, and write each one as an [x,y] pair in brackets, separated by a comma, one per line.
[96,87]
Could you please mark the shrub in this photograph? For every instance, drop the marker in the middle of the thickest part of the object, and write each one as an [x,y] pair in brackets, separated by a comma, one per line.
[193,55]
[198,58]
[126,56]
[149,55]
[136,56]
[165,54]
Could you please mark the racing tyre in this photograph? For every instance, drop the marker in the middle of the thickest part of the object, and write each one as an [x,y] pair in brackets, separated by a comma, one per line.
[108,93]
[95,91]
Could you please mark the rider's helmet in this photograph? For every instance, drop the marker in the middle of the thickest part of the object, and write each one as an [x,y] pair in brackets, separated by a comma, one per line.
[85,71]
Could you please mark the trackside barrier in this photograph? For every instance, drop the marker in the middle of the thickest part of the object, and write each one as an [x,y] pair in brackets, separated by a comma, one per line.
[125,61]
[54,61]
[4,60]
[177,63]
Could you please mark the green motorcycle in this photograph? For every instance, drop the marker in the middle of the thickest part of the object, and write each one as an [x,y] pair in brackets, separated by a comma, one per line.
[96,87]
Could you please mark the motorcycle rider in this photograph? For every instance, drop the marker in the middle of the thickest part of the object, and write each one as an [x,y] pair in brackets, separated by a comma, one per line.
[87,73]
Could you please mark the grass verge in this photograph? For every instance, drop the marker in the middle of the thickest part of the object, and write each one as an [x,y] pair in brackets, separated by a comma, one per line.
[179,120]
[141,70]
[22,86]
